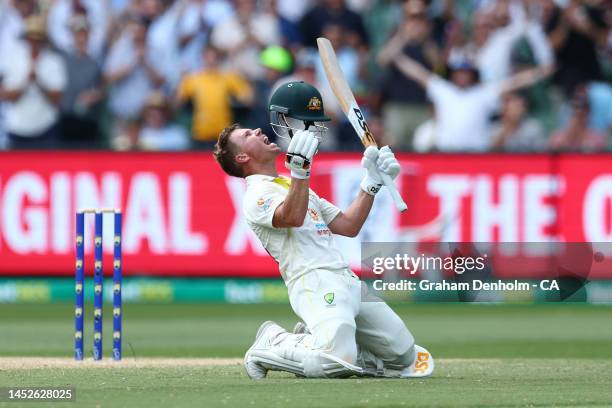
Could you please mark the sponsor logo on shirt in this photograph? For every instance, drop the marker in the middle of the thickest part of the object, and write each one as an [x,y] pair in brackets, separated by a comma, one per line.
[264,204]
[313,214]
[322,229]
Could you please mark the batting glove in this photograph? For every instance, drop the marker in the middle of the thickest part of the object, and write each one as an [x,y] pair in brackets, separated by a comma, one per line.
[376,162]
[302,148]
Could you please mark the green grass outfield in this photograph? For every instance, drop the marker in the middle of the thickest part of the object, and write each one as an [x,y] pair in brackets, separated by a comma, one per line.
[487,356]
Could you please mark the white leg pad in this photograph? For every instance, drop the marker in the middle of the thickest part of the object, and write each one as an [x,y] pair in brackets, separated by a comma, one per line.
[307,363]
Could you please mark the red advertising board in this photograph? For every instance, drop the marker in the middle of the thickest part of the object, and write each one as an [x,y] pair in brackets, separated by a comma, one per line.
[182,214]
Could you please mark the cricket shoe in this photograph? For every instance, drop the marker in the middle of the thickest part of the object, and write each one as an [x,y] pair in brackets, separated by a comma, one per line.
[422,366]
[267,332]
[301,328]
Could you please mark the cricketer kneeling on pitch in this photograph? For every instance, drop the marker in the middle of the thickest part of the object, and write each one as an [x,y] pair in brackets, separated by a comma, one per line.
[347,330]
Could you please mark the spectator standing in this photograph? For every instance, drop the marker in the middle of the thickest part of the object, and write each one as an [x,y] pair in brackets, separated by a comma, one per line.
[157,132]
[244,35]
[333,12]
[211,91]
[163,38]
[291,37]
[195,26]
[463,106]
[293,10]
[5,11]
[84,90]
[516,132]
[131,70]
[404,102]
[13,14]
[457,45]
[577,136]
[574,32]
[381,19]
[62,13]
[502,27]
[33,83]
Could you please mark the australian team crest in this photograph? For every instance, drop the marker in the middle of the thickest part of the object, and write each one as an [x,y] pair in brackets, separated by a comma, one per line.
[329,298]
[314,104]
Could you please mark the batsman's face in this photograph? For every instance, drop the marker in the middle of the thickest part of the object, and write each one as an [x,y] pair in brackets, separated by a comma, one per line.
[255,144]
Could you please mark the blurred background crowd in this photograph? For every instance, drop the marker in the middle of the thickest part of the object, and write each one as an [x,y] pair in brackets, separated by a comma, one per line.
[438,75]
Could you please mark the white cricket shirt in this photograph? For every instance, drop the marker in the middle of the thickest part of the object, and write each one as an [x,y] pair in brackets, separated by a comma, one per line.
[296,250]
[462,115]
[32,113]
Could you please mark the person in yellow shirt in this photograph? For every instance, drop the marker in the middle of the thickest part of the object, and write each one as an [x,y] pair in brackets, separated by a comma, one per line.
[211,91]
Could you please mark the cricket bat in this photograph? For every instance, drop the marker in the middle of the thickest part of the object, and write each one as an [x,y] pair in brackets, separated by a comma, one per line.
[349,106]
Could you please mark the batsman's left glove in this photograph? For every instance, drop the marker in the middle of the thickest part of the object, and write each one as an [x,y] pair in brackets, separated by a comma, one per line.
[302,148]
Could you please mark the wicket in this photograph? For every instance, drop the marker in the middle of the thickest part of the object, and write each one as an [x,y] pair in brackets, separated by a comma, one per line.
[98,283]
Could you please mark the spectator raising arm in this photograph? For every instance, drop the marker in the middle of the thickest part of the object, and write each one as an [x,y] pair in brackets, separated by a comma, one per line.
[119,74]
[392,49]
[526,78]
[413,69]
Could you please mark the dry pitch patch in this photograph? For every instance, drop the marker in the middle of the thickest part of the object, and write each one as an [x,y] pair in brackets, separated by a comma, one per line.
[28,363]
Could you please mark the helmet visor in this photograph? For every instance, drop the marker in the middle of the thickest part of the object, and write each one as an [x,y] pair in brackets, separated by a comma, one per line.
[285,126]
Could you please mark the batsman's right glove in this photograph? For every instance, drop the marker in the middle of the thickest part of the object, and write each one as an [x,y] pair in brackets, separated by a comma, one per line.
[375,162]
[302,148]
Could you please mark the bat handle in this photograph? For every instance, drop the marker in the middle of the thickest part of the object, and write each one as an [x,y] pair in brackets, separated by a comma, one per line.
[397,199]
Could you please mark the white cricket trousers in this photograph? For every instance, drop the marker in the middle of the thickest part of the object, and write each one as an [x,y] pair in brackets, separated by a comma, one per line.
[344,318]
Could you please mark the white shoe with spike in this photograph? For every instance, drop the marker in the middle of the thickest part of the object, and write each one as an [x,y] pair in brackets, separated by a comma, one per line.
[423,365]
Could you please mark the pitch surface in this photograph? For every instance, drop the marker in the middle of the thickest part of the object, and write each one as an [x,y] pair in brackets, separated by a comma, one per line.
[487,356]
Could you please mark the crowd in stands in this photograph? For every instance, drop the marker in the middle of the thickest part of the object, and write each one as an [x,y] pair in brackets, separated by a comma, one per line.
[437,75]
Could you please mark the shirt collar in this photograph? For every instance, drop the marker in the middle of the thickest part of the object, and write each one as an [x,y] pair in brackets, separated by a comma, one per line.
[257,178]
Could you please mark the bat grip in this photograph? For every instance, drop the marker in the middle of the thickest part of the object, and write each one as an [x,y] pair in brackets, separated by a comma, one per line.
[397,199]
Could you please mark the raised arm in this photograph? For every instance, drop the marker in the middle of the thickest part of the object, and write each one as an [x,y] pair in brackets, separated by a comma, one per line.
[413,69]
[375,162]
[292,211]
[350,222]
[526,78]
[391,49]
